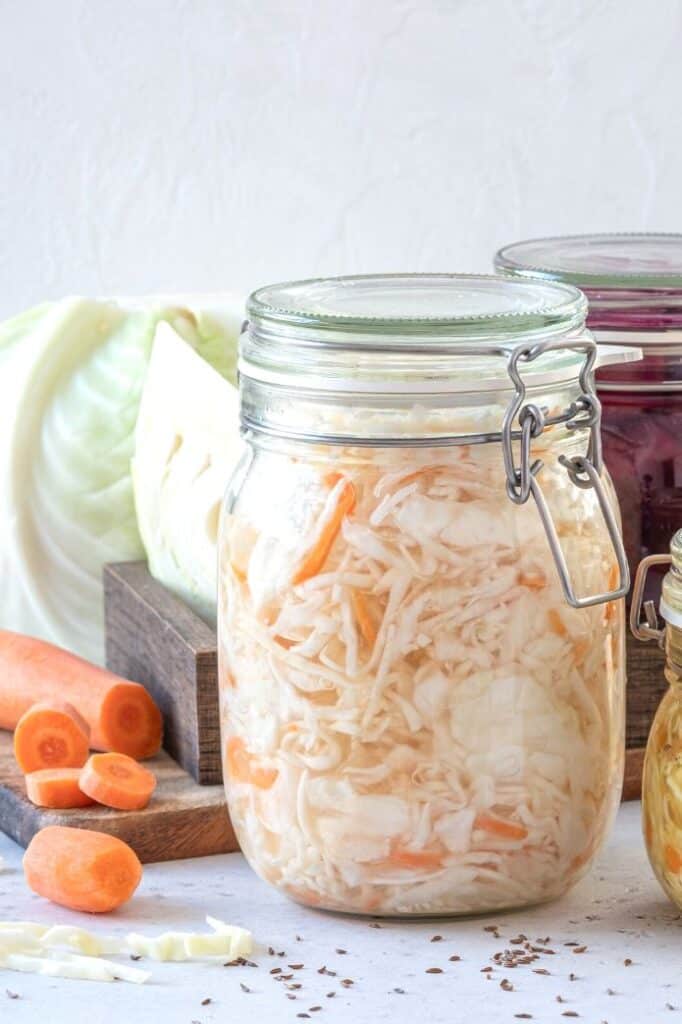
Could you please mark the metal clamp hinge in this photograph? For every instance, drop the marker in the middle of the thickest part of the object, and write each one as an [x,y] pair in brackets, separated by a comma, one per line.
[583,470]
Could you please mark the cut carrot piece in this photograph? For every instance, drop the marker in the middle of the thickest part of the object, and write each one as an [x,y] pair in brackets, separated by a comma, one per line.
[418,859]
[51,736]
[81,869]
[57,788]
[115,780]
[243,766]
[315,558]
[556,623]
[673,859]
[121,715]
[500,827]
[363,617]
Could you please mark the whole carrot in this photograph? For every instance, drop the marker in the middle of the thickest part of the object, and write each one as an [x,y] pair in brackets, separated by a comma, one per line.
[121,715]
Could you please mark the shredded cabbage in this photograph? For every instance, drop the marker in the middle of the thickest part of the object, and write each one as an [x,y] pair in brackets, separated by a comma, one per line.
[71,377]
[414,720]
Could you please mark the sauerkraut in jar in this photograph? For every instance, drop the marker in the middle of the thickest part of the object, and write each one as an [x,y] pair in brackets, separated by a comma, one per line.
[662,777]
[420,625]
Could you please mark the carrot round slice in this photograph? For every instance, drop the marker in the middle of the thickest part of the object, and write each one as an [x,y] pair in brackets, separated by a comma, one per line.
[51,735]
[81,869]
[115,780]
[57,788]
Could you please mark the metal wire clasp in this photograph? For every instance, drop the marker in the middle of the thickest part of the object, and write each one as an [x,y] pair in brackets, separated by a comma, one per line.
[649,630]
[583,470]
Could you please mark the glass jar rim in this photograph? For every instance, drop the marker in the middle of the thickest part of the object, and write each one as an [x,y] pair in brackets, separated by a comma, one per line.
[403,305]
[648,261]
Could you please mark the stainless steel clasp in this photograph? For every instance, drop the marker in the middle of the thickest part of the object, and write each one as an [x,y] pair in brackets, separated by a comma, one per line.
[583,470]
[649,630]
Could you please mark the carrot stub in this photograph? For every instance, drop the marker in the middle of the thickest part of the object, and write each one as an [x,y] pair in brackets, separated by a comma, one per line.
[81,869]
[57,788]
[51,735]
[500,827]
[115,780]
[122,716]
[314,559]
[243,766]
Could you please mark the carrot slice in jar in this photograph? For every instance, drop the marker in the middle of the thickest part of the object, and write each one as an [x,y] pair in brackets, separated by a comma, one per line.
[499,827]
[315,558]
[363,617]
[243,766]
[417,859]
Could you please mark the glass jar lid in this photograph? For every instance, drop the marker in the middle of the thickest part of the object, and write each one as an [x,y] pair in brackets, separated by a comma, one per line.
[412,332]
[632,281]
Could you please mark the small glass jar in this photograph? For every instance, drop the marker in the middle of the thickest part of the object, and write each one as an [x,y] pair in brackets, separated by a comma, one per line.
[633,283]
[662,777]
[420,615]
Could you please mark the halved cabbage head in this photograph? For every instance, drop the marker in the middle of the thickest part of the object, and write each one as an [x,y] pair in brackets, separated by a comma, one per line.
[187,444]
[71,379]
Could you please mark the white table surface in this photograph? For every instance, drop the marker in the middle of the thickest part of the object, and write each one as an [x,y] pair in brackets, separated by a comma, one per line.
[619,913]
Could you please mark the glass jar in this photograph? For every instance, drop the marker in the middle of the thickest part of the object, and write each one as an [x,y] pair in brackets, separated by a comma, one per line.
[420,614]
[662,777]
[633,283]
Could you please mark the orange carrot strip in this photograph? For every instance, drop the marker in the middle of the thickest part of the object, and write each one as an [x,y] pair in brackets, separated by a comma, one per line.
[243,766]
[315,558]
[121,715]
[673,859]
[556,622]
[400,857]
[51,735]
[499,827]
[57,788]
[115,780]
[363,617]
[81,869]
[532,580]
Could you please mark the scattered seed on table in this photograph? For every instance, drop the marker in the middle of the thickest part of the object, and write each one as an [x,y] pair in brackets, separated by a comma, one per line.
[436,938]
[486,970]
[342,952]
[433,970]
[399,991]
[573,977]
[347,982]
[306,1015]
[374,924]
[330,995]
[314,1009]
[243,987]
[275,970]
[135,956]
[206,1001]
[15,995]
[540,970]
[570,1013]
[560,999]
[610,992]
[290,995]
[294,986]
[295,967]
[524,1016]
[506,985]
[627,962]
[299,938]
[580,949]
[455,958]
[669,1006]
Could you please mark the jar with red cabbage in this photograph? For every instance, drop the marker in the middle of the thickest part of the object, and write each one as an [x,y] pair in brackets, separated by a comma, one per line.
[633,283]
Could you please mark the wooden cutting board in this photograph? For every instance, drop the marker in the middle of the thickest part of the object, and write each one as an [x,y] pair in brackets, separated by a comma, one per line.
[183,819]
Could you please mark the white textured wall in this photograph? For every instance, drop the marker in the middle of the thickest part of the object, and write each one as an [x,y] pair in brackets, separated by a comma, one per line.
[197,144]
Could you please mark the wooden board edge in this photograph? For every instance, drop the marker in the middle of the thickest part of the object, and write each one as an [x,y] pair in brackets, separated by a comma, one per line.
[632,779]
